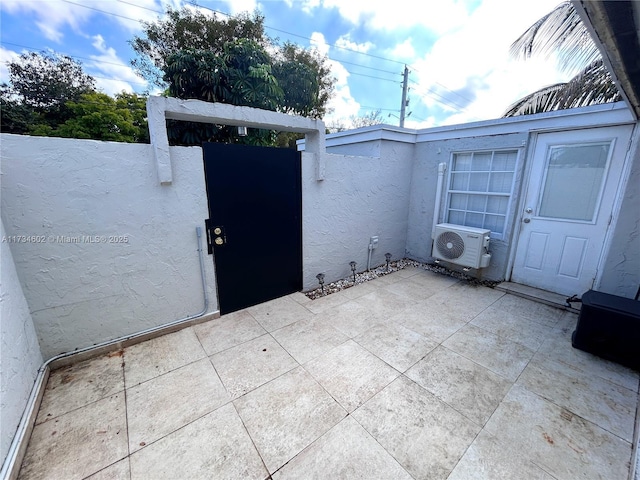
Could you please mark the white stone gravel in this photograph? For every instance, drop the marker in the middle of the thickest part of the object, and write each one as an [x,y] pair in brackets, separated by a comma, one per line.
[394,266]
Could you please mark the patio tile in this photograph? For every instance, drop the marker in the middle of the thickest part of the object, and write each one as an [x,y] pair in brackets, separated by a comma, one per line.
[382,304]
[411,290]
[351,374]
[468,387]
[252,364]
[117,471]
[426,436]
[488,459]
[431,320]
[321,304]
[558,347]
[300,298]
[513,326]
[154,357]
[349,318]
[465,301]
[228,331]
[345,452]
[286,415]
[167,403]
[607,405]
[563,444]
[498,354]
[78,385]
[536,311]
[431,279]
[76,444]
[214,446]
[279,313]
[359,290]
[395,344]
[307,339]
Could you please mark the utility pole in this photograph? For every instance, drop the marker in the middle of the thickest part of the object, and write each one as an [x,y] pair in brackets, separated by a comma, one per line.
[405,82]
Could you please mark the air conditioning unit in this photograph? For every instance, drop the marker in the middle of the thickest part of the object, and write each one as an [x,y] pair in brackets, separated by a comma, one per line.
[466,246]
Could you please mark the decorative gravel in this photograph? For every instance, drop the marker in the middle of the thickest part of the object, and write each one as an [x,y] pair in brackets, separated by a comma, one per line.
[394,266]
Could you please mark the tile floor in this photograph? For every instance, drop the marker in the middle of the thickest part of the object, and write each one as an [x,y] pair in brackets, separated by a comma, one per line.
[412,375]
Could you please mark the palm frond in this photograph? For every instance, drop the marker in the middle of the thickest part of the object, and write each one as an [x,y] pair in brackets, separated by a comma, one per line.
[591,86]
[560,31]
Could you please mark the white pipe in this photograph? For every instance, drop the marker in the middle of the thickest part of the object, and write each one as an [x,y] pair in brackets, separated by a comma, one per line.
[369,257]
[10,459]
[442,168]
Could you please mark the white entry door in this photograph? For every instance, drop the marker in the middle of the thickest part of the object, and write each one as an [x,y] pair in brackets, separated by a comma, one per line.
[573,182]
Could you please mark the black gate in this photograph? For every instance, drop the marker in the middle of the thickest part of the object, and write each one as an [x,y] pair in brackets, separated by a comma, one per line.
[255,222]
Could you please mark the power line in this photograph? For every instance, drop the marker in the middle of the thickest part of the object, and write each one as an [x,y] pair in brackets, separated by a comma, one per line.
[445,101]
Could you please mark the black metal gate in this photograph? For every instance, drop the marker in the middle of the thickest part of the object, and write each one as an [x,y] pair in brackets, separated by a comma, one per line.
[255,222]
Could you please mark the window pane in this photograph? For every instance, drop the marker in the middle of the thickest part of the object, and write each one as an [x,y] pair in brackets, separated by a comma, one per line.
[478,182]
[457,218]
[501,182]
[477,203]
[495,223]
[504,161]
[459,181]
[573,181]
[497,205]
[462,162]
[474,220]
[481,161]
[458,201]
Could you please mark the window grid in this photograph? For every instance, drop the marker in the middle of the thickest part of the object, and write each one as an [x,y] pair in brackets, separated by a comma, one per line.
[480,188]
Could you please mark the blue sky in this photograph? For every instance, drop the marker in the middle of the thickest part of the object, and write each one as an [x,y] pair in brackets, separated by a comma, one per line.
[457,51]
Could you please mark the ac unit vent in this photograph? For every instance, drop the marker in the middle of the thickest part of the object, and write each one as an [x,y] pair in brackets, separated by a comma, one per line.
[450,245]
[465,246]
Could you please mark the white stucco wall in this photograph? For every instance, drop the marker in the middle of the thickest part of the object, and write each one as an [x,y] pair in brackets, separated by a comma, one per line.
[360,197]
[148,274]
[621,267]
[20,353]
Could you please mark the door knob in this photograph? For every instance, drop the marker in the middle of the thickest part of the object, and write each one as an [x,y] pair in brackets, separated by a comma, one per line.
[526,220]
[529,210]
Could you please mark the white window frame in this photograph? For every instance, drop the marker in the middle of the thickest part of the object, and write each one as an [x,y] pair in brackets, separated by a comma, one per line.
[509,195]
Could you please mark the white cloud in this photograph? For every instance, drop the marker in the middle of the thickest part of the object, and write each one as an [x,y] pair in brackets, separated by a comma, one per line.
[6,56]
[475,60]
[309,5]
[403,50]
[52,16]
[342,105]
[439,17]
[319,43]
[235,7]
[112,74]
[345,42]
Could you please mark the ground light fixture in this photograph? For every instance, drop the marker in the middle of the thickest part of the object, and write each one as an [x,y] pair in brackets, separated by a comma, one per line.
[353,270]
[388,257]
[320,278]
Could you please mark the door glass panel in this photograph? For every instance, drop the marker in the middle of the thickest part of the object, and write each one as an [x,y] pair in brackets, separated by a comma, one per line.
[573,181]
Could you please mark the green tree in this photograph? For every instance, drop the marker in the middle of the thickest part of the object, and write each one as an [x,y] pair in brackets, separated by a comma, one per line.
[241,75]
[305,79]
[189,29]
[232,61]
[40,85]
[562,31]
[100,117]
